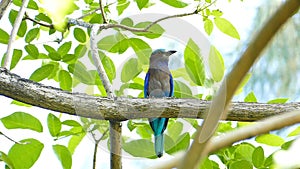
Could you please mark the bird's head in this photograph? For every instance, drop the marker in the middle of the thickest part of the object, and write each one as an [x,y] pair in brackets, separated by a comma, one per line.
[160,57]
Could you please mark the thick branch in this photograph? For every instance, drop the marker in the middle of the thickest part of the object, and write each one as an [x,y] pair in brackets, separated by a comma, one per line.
[24,90]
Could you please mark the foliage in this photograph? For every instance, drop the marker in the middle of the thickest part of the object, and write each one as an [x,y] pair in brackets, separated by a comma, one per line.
[63,63]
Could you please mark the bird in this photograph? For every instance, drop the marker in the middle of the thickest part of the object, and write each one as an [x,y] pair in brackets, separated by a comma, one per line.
[159,83]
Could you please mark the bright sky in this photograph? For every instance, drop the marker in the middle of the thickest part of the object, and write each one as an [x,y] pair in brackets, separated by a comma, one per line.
[239,13]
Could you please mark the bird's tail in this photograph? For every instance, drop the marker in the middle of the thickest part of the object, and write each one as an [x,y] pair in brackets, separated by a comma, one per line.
[159,145]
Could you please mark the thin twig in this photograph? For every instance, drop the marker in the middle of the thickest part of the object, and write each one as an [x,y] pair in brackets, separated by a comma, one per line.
[102,12]
[13,34]
[39,23]
[9,138]
[97,141]
[220,103]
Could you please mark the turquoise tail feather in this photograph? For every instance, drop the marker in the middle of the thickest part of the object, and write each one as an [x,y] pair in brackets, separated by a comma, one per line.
[159,145]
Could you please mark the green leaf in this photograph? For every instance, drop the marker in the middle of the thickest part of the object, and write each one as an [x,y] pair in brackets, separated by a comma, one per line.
[127,22]
[21,120]
[43,17]
[42,73]
[63,155]
[17,54]
[244,151]
[32,50]
[130,70]
[82,74]
[69,58]
[12,16]
[270,139]
[295,132]
[175,3]
[181,90]
[4,37]
[109,66]
[181,72]
[208,26]
[22,29]
[181,144]
[54,125]
[80,51]
[216,64]
[154,31]
[278,101]
[15,102]
[141,3]
[194,63]
[216,13]
[71,123]
[250,97]
[75,141]
[258,157]
[49,49]
[175,129]
[122,5]
[64,48]
[79,35]
[116,43]
[141,49]
[209,164]
[140,148]
[24,155]
[226,27]
[55,56]
[65,80]
[31,35]
[244,164]
[6,160]
[144,131]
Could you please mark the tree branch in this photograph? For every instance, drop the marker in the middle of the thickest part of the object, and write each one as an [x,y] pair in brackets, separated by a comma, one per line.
[36,94]
[220,103]
[227,139]
[102,12]
[39,23]
[12,37]
[3,6]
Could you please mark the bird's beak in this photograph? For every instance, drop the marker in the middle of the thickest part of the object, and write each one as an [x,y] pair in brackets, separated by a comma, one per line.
[170,52]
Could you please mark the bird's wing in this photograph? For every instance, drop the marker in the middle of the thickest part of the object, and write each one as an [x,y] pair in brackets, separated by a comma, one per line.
[146,85]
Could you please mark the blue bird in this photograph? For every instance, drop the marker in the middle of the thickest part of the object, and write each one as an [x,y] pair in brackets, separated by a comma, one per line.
[159,83]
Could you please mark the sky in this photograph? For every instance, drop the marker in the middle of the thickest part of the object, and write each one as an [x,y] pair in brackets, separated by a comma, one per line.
[239,13]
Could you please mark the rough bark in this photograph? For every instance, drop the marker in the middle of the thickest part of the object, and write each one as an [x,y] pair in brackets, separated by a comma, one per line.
[36,94]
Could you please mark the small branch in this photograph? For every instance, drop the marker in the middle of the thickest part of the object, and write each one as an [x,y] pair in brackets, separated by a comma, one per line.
[39,23]
[79,23]
[102,12]
[3,6]
[9,138]
[89,13]
[8,56]
[227,139]
[221,101]
[97,141]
